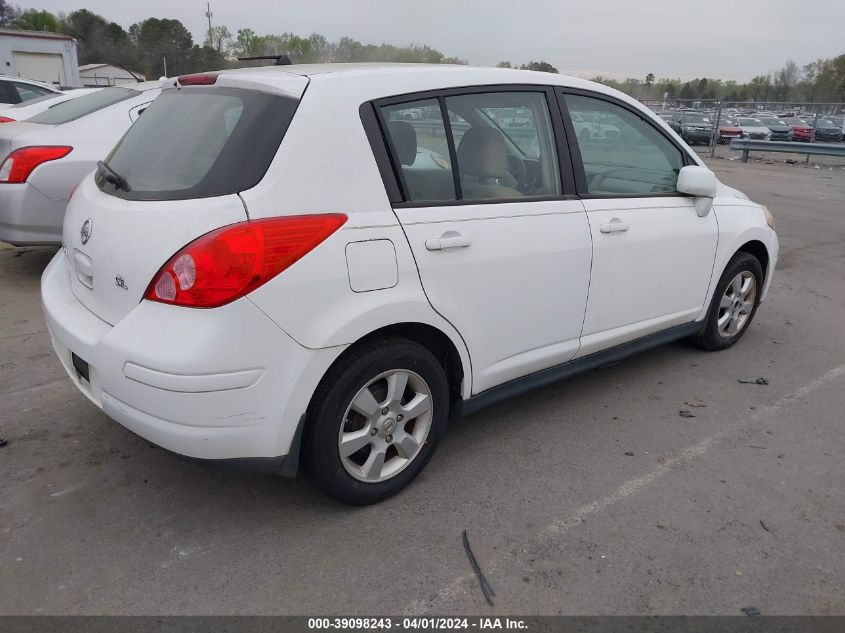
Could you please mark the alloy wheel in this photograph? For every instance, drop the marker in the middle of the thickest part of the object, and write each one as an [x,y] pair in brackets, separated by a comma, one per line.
[385,426]
[737,304]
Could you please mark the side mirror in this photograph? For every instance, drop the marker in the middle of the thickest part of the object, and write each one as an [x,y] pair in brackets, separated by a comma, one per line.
[701,183]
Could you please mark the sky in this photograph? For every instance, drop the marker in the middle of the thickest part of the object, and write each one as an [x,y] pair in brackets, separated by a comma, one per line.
[728,39]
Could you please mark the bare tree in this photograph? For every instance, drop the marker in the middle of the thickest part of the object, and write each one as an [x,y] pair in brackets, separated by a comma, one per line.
[786,79]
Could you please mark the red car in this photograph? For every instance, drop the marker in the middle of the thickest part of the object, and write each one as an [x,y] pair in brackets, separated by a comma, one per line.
[727,130]
[801,129]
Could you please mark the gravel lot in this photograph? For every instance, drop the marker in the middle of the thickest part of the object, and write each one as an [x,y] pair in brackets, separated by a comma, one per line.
[739,506]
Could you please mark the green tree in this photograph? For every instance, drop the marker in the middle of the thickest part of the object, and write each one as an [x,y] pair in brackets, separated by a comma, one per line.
[541,66]
[504,65]
[758,86]
[33,20]
[8,13]
[246,43]
[100,41]
[649,82]
[786,79]
[158,40]
[220,39]
[201,59]
[669,87]
[686,92]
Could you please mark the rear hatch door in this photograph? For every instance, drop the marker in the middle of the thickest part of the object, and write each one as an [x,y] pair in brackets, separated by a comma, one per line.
[174,176]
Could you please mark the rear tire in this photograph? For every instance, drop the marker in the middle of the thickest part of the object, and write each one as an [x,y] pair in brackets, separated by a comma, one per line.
[734,303]
[375,420]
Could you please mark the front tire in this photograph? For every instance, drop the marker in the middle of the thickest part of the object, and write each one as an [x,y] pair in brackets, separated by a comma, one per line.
[734,303]
[375,420]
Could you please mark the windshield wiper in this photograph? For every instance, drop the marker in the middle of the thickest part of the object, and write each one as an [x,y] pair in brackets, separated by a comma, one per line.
[110,175]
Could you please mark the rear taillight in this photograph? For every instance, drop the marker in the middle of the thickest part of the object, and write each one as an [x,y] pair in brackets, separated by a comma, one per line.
[5,119]
[198,79]
[19,164]
[228,263]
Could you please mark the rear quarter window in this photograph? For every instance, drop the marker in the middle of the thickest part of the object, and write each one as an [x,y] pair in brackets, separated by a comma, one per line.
[73,109]
[199,142]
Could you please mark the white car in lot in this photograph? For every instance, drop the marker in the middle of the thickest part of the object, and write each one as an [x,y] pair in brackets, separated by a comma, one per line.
[28,109]
[753,128]
[45,157]
[17,90]
[258,273]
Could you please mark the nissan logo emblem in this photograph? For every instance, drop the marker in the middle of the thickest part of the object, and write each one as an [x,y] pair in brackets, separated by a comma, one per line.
[85,232]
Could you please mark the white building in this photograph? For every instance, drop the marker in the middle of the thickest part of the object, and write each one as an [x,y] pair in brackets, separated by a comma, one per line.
[100,75]
[40,55]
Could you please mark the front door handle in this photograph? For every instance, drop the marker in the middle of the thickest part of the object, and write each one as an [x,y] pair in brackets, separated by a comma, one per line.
[450,239]
[614,226]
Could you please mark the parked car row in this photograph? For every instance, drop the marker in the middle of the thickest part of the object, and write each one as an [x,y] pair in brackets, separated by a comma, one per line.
[260,274]
[698,126]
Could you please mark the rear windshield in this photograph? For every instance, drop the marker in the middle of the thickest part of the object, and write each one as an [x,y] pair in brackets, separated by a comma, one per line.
[82,106]
[198,142]
[48,97]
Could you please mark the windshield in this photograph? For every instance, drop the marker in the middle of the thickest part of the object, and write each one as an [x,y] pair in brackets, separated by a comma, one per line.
[196,143]
[696,118]
[73,109]
[751,122]
[770,121]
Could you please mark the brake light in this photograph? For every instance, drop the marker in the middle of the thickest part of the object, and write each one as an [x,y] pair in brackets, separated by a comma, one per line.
[198,79]
[5,119]
[232,261]
[19,164]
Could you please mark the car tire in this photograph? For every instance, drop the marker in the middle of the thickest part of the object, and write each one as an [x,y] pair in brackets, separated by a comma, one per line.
[734,303]
[358,409]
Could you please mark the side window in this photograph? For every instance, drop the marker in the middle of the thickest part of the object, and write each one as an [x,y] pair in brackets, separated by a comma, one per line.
[504,144]
[26,92]
[420,147]
[622,154]
[7,93]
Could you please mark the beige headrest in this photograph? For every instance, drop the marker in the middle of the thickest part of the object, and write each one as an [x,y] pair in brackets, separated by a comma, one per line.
[404,138]
[482,153]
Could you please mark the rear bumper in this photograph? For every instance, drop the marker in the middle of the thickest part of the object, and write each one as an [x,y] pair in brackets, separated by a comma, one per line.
[28,217]
[221,384]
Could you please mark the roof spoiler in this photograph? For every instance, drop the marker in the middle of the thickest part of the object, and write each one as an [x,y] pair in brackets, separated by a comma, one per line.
[281,60]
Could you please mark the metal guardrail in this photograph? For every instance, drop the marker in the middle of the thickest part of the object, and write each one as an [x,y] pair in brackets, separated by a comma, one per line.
[747,145]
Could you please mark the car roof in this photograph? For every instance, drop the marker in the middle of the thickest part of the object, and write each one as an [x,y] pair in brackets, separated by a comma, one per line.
[435,76]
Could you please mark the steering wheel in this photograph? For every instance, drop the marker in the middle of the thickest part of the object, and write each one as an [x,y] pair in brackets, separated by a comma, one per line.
[599,179]
[517,170]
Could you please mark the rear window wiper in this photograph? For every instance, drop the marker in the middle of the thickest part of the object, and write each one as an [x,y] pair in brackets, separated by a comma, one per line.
[110,175]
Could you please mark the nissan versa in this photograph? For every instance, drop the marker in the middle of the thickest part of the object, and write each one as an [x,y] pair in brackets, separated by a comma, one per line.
[261,272]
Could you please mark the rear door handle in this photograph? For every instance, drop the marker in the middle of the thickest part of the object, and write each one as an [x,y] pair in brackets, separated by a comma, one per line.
[447,240]
[614,226]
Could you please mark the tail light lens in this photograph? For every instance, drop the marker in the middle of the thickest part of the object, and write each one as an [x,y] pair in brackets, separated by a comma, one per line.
[198,79]
[5,119]
[19,164]
[232,261]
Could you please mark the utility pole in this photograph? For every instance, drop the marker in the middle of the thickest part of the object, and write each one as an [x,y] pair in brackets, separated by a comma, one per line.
[209,15]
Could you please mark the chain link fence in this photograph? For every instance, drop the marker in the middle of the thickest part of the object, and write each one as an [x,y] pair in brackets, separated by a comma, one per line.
[710,122]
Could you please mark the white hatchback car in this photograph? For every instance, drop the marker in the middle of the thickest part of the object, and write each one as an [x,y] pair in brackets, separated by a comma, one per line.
[259,274]
[45,157]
